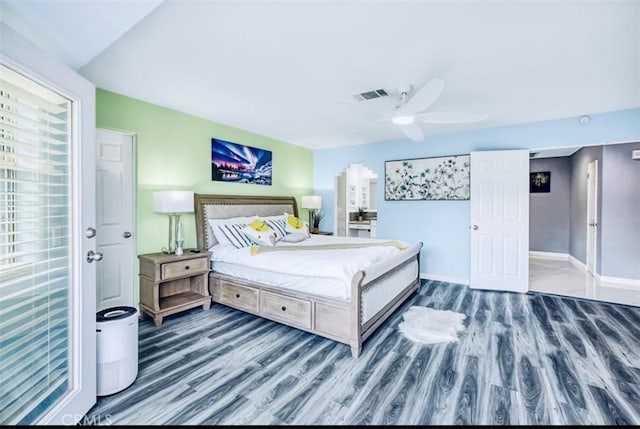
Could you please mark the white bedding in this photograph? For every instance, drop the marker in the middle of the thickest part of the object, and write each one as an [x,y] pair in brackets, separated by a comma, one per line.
[321,272]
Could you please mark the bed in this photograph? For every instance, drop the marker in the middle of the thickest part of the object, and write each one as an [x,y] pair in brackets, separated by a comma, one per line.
[346,313]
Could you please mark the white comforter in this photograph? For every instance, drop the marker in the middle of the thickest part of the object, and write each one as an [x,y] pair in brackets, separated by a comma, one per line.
[341,264]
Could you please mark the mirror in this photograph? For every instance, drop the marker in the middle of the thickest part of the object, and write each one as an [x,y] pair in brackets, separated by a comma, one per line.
[356,201]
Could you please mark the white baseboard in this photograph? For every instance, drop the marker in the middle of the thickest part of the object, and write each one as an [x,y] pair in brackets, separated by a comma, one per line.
[457,280]
[577,263]
[620,282]
[549,255]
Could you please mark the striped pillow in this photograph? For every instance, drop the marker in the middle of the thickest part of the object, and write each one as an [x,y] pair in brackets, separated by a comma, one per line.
[232,234]
[277,225]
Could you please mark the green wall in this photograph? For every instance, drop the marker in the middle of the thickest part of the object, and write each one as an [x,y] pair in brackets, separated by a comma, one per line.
[174,152]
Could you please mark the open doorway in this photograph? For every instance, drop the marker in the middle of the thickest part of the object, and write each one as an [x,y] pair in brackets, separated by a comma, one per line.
[584,230]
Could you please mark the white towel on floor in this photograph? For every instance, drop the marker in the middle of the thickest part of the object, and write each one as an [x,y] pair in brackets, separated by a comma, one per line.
[428,326]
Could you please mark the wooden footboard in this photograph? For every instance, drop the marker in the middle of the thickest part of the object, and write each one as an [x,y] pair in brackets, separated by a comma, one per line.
[331,318]
[403,279]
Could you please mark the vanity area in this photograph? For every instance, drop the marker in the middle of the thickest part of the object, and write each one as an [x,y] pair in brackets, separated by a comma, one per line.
[356,202]
[366,228]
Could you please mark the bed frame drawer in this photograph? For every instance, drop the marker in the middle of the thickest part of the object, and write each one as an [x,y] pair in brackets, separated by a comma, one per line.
[239,296]
[293,310]
[183,268]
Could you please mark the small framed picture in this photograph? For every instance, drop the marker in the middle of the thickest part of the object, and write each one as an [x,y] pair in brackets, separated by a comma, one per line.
[540,181]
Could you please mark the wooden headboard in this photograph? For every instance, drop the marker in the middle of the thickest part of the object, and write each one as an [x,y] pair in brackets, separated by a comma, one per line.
[226,206]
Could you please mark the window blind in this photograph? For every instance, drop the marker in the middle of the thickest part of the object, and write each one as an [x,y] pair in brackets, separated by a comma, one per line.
[35,248]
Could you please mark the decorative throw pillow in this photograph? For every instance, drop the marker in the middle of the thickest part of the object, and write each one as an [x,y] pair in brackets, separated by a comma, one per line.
[277,224]
[295,225]
[232,234]
[261,233]
[220,238]
[294,237]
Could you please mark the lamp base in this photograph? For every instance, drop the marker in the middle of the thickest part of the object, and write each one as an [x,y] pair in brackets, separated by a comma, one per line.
[170,249]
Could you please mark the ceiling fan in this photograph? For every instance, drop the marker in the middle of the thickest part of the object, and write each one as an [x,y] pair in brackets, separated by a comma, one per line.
[412,109]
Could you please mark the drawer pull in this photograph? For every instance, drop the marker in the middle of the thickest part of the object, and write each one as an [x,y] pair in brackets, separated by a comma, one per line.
[284,308]
[186,267]
[237,295]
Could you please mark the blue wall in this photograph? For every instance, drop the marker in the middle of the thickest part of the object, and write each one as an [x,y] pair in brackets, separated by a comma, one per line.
[443,226]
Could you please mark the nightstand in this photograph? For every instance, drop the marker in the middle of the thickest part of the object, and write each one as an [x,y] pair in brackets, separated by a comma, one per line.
[323,233]
[170,284]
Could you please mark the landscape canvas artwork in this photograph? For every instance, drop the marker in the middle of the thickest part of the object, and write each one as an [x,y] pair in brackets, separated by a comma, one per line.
[443,178]
[232,162]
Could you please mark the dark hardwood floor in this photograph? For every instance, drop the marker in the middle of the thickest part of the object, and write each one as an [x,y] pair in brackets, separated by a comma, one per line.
[522,359]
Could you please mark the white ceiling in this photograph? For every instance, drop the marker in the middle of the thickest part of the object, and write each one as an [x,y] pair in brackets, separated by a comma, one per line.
[288,69]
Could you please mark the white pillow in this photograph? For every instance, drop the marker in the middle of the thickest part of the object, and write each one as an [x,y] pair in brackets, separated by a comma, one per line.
[261,233]
[294,237]
[295,225]
[276,223]
[228,231]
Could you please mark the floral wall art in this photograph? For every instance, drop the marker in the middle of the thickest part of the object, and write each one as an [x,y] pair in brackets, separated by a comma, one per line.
[443,178]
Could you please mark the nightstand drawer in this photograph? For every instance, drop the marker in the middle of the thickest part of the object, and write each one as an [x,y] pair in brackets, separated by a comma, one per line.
[289,309]
[238,296]
[183,268]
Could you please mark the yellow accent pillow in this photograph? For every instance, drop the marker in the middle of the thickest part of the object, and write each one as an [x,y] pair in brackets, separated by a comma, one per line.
[295,225]
[261,233]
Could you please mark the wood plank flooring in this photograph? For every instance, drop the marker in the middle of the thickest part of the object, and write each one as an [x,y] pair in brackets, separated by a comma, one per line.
[522,359]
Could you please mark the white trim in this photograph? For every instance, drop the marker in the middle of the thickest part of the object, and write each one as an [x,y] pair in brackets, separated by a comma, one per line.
[577,263]
[456,280]
[592,256]
[619,282]
[23,57]
[549,255]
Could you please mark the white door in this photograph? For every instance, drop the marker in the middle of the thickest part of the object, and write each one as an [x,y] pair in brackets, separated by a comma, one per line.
[592,215]
[47,263]
[500,220]
[115,219]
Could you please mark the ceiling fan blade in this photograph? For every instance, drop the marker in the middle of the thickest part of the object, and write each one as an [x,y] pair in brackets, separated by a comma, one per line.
[450,117]
[413,131]
[423,98]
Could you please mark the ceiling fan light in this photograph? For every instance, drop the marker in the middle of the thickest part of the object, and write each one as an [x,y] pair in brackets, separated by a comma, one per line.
[403,119]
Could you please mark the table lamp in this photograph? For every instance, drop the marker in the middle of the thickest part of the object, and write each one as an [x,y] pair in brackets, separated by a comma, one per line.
[173,203]
[313,203]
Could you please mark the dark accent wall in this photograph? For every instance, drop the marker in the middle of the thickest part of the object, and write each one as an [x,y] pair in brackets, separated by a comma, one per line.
[549,212]
[620,221]
[578,210]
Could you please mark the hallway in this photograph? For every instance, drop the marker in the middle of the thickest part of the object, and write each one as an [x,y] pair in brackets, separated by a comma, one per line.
[563,278]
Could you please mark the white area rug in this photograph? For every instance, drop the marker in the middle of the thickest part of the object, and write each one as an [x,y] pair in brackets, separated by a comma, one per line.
[428,326]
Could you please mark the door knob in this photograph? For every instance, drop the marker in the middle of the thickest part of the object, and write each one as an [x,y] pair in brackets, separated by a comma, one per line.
[90,232]
[126,234]
[93,256]
[474,227]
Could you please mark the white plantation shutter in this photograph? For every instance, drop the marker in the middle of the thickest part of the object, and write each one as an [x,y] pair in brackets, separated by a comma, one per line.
[35,248]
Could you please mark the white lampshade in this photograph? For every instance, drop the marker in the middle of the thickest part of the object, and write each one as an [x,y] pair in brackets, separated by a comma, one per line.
[311,202]
[173,201]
